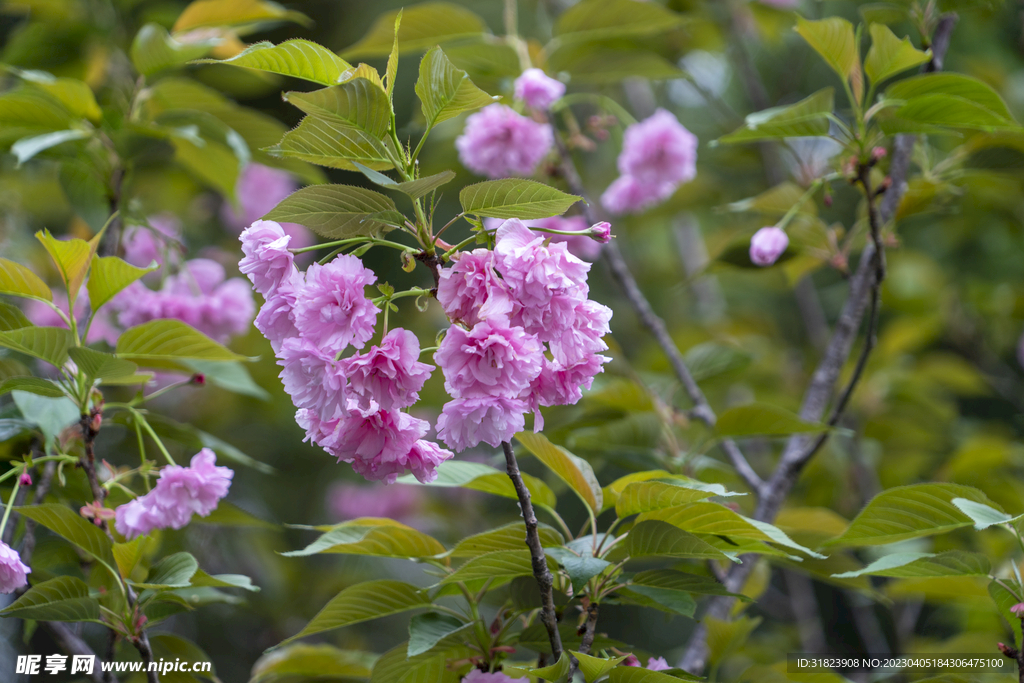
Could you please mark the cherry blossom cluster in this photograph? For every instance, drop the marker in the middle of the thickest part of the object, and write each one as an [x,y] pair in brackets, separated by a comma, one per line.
[180,492]
[658,155]
[352,407]
[506,305]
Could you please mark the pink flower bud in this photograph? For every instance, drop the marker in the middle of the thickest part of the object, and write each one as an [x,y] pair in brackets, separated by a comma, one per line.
[25,479]
[767,245]
[878,153]
[602,232]
[1018,609]
[199,379]
[631,660]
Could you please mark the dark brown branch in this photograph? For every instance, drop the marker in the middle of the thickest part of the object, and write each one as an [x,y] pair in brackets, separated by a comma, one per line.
[654,324]
[70,643]
[545,582]
[589,628]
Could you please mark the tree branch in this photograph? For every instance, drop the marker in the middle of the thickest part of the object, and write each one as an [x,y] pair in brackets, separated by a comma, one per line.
[545,581]
[589,628]
[70,643]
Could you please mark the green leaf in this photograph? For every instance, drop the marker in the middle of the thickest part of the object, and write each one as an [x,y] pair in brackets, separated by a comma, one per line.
[445,91]
[671,579]
[109,275]
[643,496]
[335,211]
[806,118]
[72,258]
[51,415]
[1004,600]
[574,471]
[244,14]
[226,514]
[656,538]
[515,198]
[956,85]
[67,523]
[632,674]
[26,148]
[391,71]
[76,96]
[331,143]
[362,602]
[64,598]
[202,580]
[423,25]
[595,667]
[29,111]
[924,565]
[212,163]
[833,39]
[154,50]
[555,672]
[309,662]
[167,339]
[231,376]
[98,365]
[414,188]
[11,318]
[174,571]
[588,63]
[927,113]
[296,58]
[909,512]
[673,602]
[508,537]
[50,344]
[889,55]
[375,536]
[763,419]
[983,515]
[503,564]
[480,477]
[579,568]
[32,385]
[594,20]
[358,102]
[17,280]
[428,629]
[431,667]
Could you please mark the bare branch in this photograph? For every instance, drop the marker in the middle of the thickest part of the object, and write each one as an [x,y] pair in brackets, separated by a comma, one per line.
[69,642]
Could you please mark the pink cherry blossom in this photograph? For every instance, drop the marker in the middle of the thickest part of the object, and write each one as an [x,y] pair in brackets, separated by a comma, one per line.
[580,246]
[488,360]
[471,291]
[659,149]
[12,569]
[276,319]
[767,245]
[657,664]
[266,261]
[478,676]
[346,500]
[102,329]
[389,374]
[465,422]
[538,90]
[601,232]
[313,379]
[629,195]
[258,190]
[331,308]
[143,245]
[497,142]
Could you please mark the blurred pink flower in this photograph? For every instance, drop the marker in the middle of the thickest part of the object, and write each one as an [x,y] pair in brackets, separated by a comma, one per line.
[767,245]
[478,676]
[143,245]
[626,194]
[537,89]
[350,501]
[102,329]
[12,569]
[259,189]
[497,142]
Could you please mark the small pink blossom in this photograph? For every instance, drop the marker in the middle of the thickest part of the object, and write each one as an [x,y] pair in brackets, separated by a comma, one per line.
[24,479]
[478,676]
[581,246]
[1018,609]
[266,261]
[659,149]
[102,329]
[497,142]
[258,190]
[601,232]
[143,245]
[12,569]
[767,245]
[312,378]
[350,501]
[276,319]
[489,360]
[331,309]
[389,374]
[471,291]
[629,195]
[538,90]
[465,422]
[657,664]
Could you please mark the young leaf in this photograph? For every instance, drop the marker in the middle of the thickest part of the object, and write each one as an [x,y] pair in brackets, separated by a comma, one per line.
[445,91]
[247,14]
[174,571]
[924,565]
[428,629]
[31,111]
[643,496]
[763,419]
[372,536]
[574,471]
[833,39]
[17,280]
[310,662]
[109,275]
[32,385]
[656,538]
[480,477]
[154,50]
[930,113]
[580,568]
[423,25]
[11,318]
[67,523]
[26,148]
[956,85]
[595,20]
[50,344]
[296,58]
[391,73]
[50,415]
[553,673]
[414,188]
[1004,600]
[72,258]
[889,55]
[201,579]
[983,515]
[333,144]
[673,602]
[508,537]
[335,211]
[167,339]
[806,118]
[64,598]
[670,579]
[358,102]
[515,198]
[362,602]
[503,564]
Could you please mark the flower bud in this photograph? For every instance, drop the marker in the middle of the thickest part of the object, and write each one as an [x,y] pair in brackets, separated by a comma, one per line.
[602,232]
[878,153]
[25,479]
[767,245]
[631,660]
[1018,609]
[198,379]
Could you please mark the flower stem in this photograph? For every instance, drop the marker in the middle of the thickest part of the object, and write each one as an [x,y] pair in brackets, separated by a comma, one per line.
[10,505]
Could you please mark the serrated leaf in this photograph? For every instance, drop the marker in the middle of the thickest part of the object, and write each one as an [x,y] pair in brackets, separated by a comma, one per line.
[18,280]
[508,537]
[833,39]
[423,25]
[446,91]
[362,602]
[50,344]
[358,102]
[554,672]
[76,96]
[673,602]
[909,512]
[154,50]
[333,144]
[574,471]
[26,148]
[480,477]
[72,258]
[889,55]
[245,14]
[503,564]
[109,275]
[594,668]
[594,20]
[657,538]
[431,667]
[927,113]
[310,662]
[64,598]
[806,118]
[580,567]
[414,188]
[1004,600]
[296,58]
[67,523]
[32,385]
[671,579]
[167,339]
[983,515]
[375,536]
[334,211]
[428,629]
[763,419]
[924,565]
[12,318]
[515,198]
[654,495]
[956,85]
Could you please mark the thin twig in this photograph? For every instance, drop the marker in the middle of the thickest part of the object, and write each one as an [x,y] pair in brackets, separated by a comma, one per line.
[70,643]
[589,628]
[545,582]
